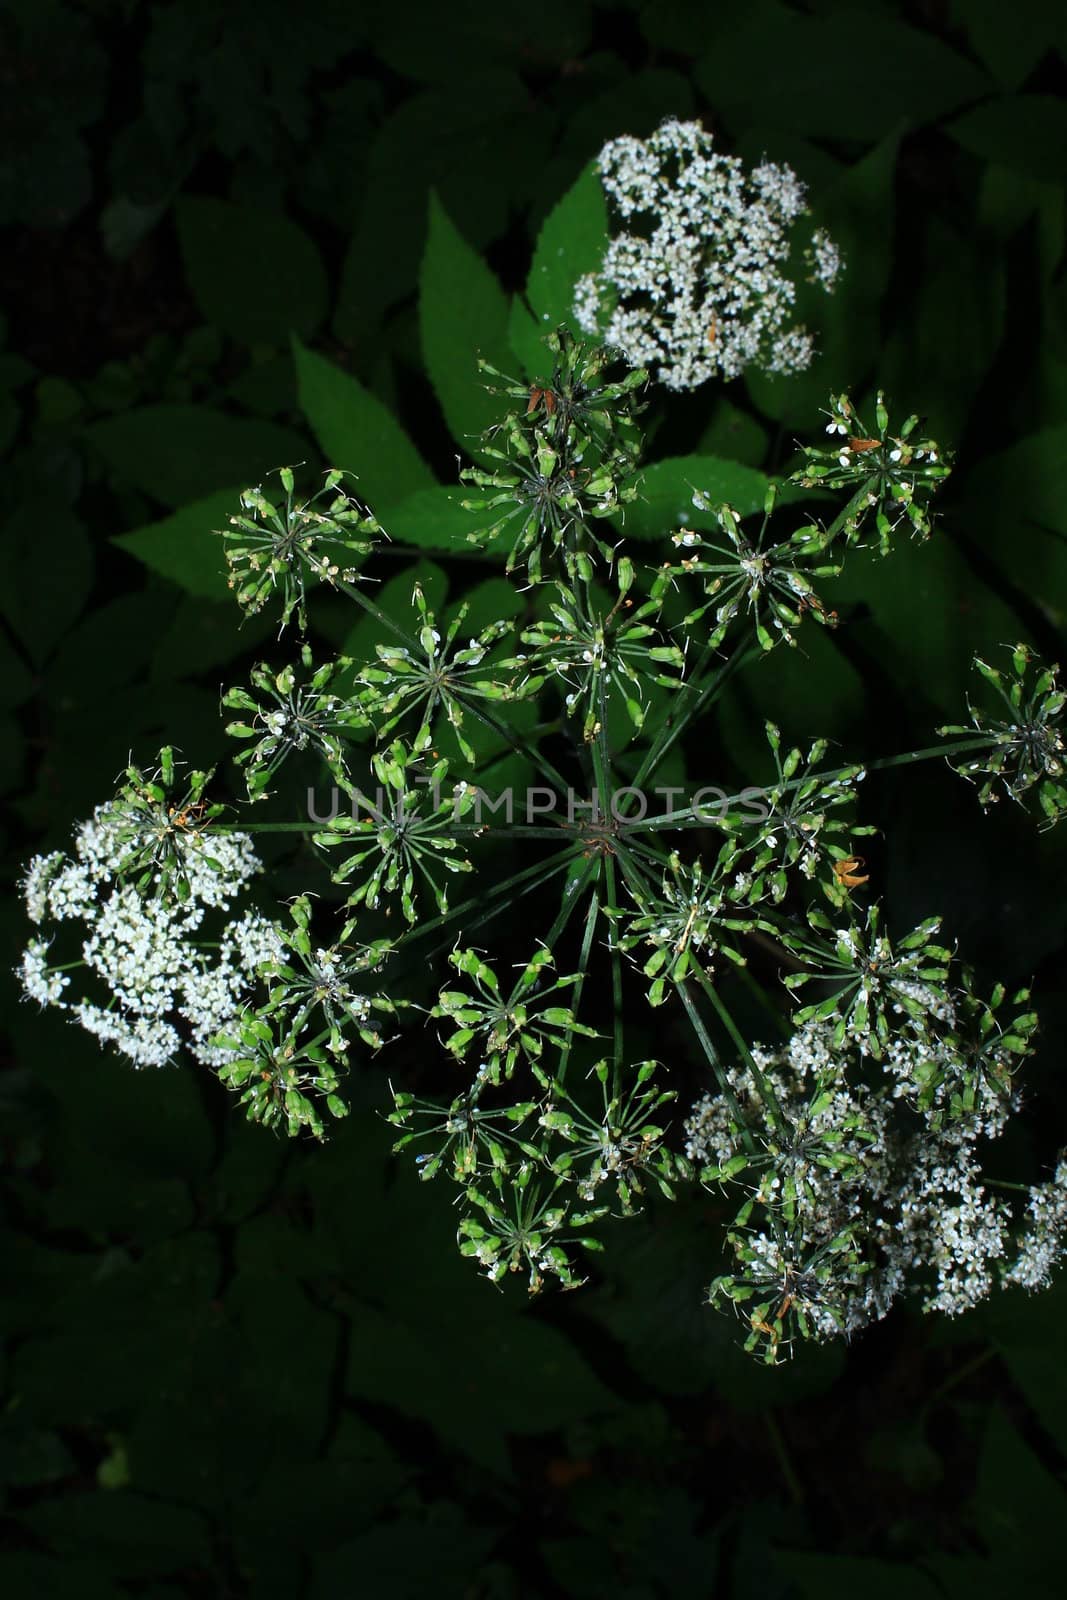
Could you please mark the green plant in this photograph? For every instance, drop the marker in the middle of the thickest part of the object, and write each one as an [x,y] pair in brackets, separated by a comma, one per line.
[851,1146]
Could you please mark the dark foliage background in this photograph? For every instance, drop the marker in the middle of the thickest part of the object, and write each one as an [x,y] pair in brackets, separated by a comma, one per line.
[239,1368]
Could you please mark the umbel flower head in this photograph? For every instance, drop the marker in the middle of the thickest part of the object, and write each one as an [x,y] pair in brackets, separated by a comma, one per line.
[1025,753]
[290,546]
[863,1187]
[699,283]
[144,970]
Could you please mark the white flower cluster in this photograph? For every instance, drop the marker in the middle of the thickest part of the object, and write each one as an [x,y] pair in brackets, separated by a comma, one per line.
[1043,1243]
[907,1188]
[701,287]
[153,972]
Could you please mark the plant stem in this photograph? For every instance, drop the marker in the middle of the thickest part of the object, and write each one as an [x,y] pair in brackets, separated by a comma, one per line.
[792,1482]
[689,819]
[376,612]
[766,1093]
[583,965]
[715,1062]
[520,746]
[691,699]
[529,878]
[616,975]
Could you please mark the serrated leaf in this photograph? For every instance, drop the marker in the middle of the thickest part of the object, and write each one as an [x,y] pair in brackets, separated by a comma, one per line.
[571,243]
[357,432]
[185,547]
[463,314]
[175,453]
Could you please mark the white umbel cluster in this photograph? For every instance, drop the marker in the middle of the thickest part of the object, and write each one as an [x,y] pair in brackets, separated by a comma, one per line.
[699,285]
[911,1188]
[155,981]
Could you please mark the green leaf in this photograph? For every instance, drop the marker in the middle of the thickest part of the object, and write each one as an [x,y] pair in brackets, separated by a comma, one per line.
[571,243]
[438,141]
[255,274]
[357,432]
[817,1576]
[463,314]
[488,602]
[481,37]
[434,519]
[519,1375]
[527,341]
[733,434]
[1010,40]
[1019,1505]
[858,211]
[176,453]
[1027,1333]
[185,546]
[1016,503]
[46,571]
[434,1552]
[394,600]
[665,495]
[839,92]
[16,682]
[955,330]
[813,689]
[1027,132]
[136,1534]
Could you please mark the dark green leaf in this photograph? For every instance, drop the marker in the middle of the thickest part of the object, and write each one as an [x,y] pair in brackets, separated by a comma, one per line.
[1011,40]
[186,546]
[1027,132]
[137,1535]
[46,570]
[817,1576]
[254,273]
[858,211]
[665,495]
[434,519]
[863,72]
[527,341]
[393,599]
[480,149]
[571,242]
[463,314]
[178,453]
[357,433]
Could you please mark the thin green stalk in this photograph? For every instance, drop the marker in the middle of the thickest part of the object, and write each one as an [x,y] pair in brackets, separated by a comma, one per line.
[688,819]
[376,612]
[545,767]
[632,870]
[602,756]
[583,966]
[961,1373]
[530,877]
[616,975]
[715,1062]
[685,708]
[778,1444]
[766,1093]
[958,747]
[572,894]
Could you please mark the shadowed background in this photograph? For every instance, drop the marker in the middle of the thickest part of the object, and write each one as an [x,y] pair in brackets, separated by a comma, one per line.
[237,1367]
